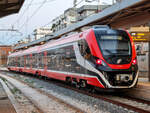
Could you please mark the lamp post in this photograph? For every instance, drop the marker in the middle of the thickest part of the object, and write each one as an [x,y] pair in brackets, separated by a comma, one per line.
[99,6]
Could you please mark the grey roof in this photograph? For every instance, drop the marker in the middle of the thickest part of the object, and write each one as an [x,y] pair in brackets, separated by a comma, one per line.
[123,14]
[91,7]
[8,7]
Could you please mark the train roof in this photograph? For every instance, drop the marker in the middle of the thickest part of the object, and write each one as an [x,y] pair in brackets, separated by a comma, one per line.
[27,51]
[15,54]
[31,50]
[60,41]
[65,40]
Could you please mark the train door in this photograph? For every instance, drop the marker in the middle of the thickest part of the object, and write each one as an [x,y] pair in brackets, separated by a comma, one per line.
[67,59]
[24,62]
[34,61]
[41,63]
[85,53]
[16,60]
[45,62]
[21,61]
[30,61]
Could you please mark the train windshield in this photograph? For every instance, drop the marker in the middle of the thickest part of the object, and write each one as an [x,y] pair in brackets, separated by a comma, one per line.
[114,45]
[110,45]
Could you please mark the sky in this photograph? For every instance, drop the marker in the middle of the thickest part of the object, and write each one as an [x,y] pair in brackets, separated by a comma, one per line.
[34,15]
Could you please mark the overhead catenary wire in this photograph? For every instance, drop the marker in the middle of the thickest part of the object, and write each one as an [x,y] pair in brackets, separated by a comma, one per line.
[52,20]
[39,3]
[28,6]
[34,13]
[26,9]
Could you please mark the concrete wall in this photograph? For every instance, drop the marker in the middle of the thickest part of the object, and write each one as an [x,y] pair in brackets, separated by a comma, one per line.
[142,57]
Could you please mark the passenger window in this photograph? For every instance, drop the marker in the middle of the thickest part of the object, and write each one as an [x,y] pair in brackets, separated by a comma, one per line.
[34,61]
[22,61]
[27,60]
[41,60]
[84,49]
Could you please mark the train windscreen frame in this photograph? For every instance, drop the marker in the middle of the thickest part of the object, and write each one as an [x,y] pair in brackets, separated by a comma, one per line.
[114,45]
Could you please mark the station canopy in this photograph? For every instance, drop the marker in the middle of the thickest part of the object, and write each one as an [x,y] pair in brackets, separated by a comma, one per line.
[8,7]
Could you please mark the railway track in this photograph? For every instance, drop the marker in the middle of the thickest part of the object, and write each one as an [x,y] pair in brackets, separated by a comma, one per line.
[133,104]
[21,103]
[43,102]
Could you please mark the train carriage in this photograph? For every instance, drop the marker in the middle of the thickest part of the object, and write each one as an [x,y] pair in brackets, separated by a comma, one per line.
[100,57]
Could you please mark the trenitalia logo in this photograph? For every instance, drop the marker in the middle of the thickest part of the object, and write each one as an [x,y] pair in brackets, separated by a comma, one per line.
[119,61]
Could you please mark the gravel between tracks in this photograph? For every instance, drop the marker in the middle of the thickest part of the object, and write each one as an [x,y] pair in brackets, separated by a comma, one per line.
[84,102]
[19,101]
[43,102]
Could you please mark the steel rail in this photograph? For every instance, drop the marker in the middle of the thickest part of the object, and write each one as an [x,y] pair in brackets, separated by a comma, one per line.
[99,96]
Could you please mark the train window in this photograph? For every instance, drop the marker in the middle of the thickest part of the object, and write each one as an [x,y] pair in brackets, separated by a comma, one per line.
[18,61]
[12,61]
[15,61]
[34,61]
[84,49]
[45,59]
[64,59]
[86,53]
[48,59]
[58,58]
[28,61]
[22,61]
[52,59]
[41,60]
[9,61]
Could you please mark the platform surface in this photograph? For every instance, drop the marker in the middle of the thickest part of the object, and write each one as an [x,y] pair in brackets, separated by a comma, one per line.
[5,104]
[142,90]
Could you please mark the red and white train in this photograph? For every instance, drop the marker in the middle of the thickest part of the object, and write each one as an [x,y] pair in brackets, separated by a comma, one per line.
[100,57]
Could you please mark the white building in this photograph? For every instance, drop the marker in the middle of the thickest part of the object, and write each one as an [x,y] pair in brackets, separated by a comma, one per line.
[88,10]
[73,15]
[41,32]
[69,17]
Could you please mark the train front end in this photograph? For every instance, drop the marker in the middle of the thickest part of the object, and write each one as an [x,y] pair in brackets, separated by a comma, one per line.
[115,57]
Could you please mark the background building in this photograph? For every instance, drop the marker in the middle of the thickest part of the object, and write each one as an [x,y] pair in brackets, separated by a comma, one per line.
[40,32]
[4,52]
[73,15]
[67,18]
[70,16]
[88,10]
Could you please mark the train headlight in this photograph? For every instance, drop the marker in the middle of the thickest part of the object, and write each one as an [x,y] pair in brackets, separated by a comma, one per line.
[134,62]
[100,62]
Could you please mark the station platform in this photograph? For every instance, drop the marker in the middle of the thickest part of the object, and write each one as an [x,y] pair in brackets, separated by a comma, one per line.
[5,103]
[142,90]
